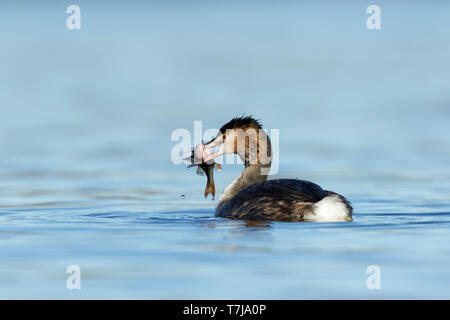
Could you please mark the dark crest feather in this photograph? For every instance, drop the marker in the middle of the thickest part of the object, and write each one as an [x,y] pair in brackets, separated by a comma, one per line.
[241,122]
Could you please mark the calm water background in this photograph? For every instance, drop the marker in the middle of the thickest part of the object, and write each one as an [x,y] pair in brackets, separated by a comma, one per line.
[85,170]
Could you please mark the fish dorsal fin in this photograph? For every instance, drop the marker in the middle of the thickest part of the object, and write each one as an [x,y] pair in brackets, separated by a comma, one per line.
[200,171]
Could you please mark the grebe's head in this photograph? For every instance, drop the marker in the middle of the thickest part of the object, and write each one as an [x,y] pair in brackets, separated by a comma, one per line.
[245,137]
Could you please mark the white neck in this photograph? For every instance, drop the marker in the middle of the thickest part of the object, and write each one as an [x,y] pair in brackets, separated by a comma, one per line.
[250,175]
[257,157]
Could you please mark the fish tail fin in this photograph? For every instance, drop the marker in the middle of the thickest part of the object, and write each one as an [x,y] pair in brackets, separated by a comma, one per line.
[210,188]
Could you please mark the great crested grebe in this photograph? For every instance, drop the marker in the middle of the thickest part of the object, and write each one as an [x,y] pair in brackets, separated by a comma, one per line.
[252,197]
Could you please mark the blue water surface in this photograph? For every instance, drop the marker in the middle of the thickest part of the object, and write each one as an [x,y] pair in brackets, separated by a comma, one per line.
[86,176]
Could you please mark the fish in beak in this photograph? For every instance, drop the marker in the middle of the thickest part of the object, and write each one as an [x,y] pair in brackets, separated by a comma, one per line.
[217,143]
[198,158]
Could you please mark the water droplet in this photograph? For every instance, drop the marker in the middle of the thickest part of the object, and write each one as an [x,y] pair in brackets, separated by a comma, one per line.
[183,196]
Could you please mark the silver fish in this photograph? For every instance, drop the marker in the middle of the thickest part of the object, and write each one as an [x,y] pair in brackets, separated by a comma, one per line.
[205,168]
